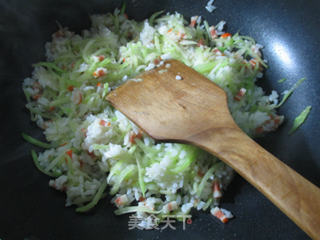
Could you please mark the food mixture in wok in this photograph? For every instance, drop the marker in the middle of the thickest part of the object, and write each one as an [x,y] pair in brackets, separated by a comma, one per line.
[94,150]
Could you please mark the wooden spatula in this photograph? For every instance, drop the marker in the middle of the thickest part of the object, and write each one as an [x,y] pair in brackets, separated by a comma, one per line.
[175,103]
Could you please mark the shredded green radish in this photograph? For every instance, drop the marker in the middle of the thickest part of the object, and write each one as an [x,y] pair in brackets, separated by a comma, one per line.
[36,142]
[95,199]
[92,146]
[124,174]
[40,168]
[141,181]
[191,153]
[206,177]
[154,16]
[134,209]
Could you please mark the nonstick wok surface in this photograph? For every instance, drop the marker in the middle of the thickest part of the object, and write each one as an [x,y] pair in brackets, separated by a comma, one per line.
[29,209]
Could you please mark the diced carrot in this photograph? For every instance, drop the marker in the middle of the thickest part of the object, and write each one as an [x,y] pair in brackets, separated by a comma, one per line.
[277,120]
[101,58]
[98,84]
[141,199]
[80,98]
[121,200]
[156,61]
[200,42]
[213,32]
[91,154]
[269,125]
[253,62]
[36,85]
[84,131]
[219,214]
[69,153]
[36,97]
[216,189]
[53,185]
[200,173]
[101,73]
[59,33]
[193,21]
[134,136]
[170,30]
[102,123]
[81,163]
[216,50]
[224,220]
[118,201]
[237,98]
[70,88]
[259,130]
[240,94]
[225,35]
[131,139]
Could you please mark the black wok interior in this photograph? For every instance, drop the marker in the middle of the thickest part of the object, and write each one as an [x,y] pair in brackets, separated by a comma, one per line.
[29,209]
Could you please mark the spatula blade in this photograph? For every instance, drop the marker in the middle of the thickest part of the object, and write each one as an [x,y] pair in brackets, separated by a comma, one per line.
[172,102]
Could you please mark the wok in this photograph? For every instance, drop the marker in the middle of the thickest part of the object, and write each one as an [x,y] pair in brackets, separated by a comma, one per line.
[31,210]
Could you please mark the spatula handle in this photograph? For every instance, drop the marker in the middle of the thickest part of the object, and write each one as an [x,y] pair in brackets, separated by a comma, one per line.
[298,198]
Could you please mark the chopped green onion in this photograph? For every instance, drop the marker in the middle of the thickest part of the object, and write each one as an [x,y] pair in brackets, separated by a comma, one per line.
[300,119]
[222,49]
[282,80]
[290,91]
